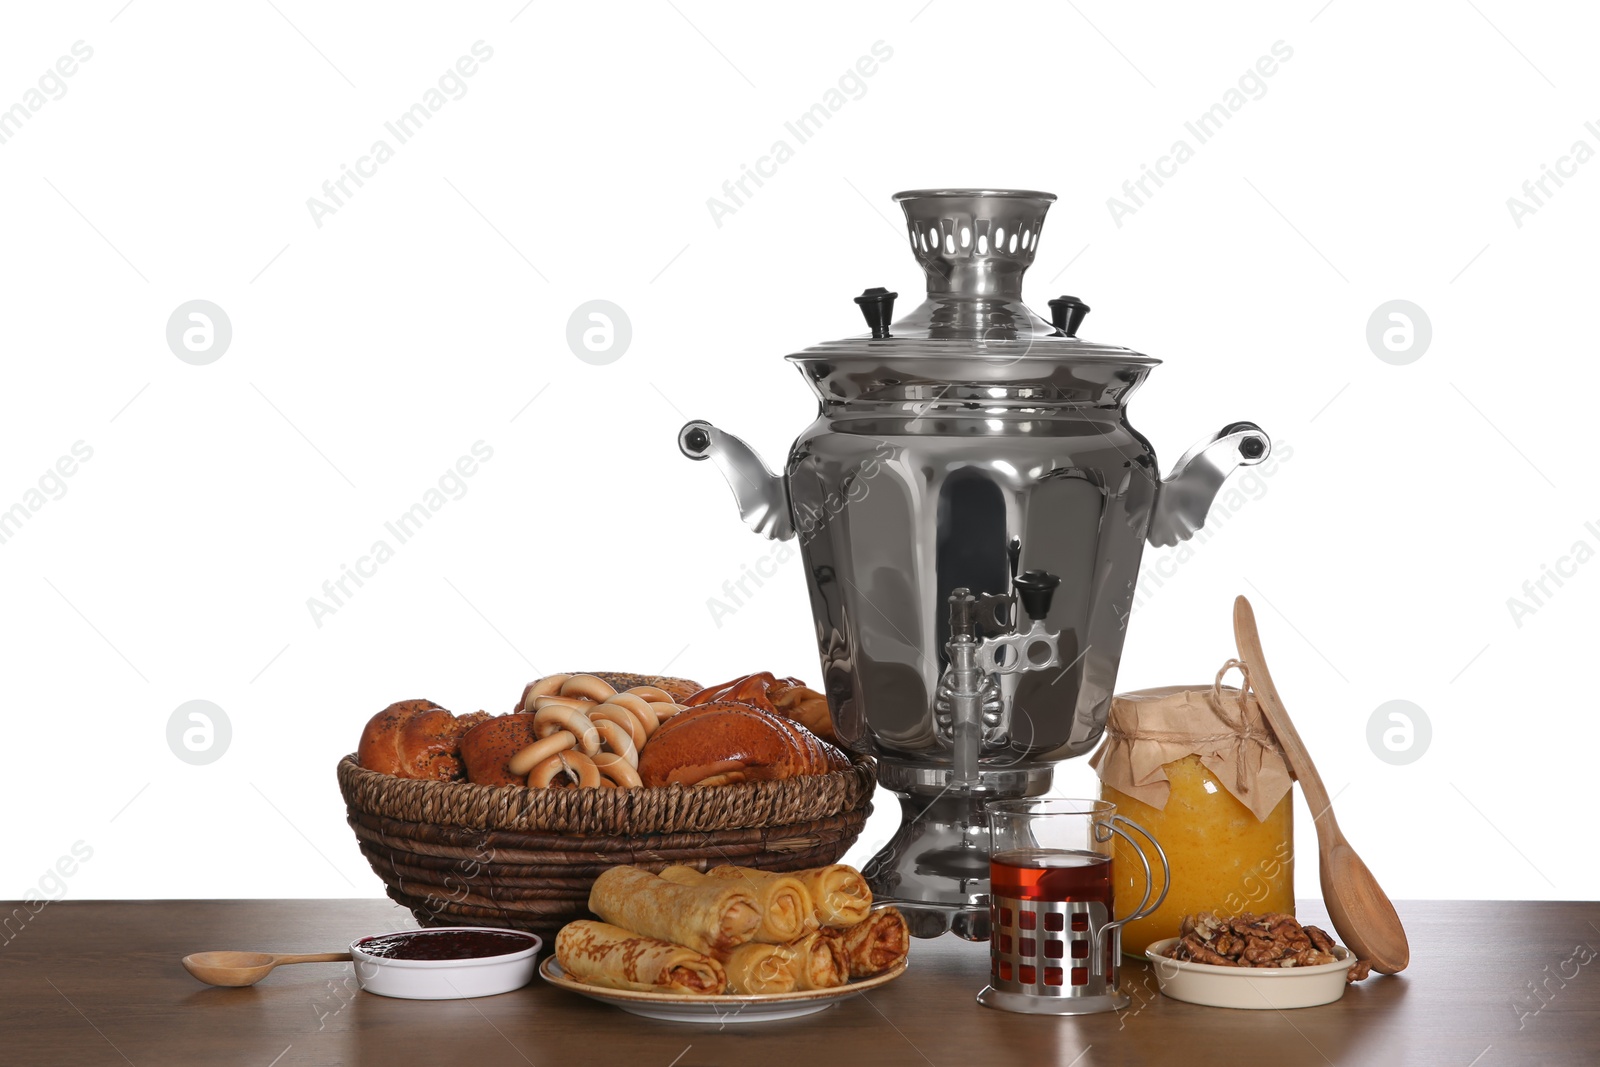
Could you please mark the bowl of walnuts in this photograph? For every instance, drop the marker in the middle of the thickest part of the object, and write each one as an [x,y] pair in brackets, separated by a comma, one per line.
[1252,962]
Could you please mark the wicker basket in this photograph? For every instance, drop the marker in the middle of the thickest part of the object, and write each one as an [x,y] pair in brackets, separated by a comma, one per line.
[462,854]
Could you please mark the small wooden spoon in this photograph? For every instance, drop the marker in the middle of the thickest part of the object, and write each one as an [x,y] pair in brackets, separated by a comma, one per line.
[1361,912]
[248,968]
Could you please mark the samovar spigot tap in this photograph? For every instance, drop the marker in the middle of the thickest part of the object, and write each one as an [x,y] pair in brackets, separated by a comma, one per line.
[964,687]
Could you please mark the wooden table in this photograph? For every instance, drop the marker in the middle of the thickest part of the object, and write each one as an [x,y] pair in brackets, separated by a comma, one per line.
[99,983]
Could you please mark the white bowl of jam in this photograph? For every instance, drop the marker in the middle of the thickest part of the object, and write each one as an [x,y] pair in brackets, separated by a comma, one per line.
[445,963]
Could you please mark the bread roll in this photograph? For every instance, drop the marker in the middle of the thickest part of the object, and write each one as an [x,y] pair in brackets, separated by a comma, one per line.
[724,742]
[794,700]
[788,697]
[489,746]
[840,893]
[757,968]
[876,945]
[605,955]
[712,917]
[415,739]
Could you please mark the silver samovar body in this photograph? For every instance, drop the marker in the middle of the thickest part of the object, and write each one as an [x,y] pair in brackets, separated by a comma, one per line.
[971,505]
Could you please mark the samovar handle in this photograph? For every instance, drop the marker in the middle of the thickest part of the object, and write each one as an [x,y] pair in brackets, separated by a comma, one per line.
[1184,497]
[762,497]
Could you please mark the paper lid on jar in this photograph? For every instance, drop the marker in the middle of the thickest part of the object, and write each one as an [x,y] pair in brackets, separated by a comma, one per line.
[1150,728]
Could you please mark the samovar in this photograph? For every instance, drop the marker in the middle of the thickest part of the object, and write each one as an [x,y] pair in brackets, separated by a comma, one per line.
[971,505]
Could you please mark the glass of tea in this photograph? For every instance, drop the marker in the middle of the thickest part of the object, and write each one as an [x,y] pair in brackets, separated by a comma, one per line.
[1054,946]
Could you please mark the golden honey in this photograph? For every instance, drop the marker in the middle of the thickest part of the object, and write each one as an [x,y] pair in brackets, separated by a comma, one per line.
[1222,858]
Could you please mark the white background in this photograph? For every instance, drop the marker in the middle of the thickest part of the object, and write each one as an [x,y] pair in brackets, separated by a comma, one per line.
[429,313]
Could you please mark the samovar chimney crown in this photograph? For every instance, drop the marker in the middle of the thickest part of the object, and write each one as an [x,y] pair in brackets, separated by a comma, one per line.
[974,242]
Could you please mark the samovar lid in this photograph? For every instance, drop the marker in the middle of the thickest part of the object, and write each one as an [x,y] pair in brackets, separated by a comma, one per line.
[974,245]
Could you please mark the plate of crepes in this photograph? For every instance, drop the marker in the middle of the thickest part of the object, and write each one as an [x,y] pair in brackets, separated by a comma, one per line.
[732,944]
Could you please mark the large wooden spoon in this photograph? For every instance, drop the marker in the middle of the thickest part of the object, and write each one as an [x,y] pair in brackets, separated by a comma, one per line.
[248,968]
[1361,912]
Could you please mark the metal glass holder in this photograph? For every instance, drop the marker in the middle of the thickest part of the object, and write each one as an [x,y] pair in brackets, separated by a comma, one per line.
[1063,957]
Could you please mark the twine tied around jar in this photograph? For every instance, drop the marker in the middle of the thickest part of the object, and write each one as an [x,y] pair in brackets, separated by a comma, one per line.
[1147,729]
[1248,729]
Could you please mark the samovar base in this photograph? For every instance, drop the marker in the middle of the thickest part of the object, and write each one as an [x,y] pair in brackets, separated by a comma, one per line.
[935,868]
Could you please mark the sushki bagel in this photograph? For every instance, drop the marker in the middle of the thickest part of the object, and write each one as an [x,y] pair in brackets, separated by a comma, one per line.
[579,770]
[547,721]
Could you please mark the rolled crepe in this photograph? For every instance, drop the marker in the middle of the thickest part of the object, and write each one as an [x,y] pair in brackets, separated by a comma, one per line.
[822,962]
[712,917]
[761,968]
[876,945]
[682,875]
[605,955]
[840,893]
[787,910]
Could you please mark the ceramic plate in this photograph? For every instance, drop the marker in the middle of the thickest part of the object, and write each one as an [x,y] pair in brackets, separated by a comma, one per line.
[1249,987]
[727,1008]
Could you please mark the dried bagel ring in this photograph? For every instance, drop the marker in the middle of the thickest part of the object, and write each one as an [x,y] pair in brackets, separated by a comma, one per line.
[588,774]
[539,687]
[623,718]
[549,684]
[618,770]
[578,769]
[651,693]
[618,739]
[640,707]
[547,721]
[589,687]
[561,702]
[539,751]
[666,711]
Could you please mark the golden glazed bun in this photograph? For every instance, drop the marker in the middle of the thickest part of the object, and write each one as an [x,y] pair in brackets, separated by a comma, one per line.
[788,697]
[489,746]
[725,742]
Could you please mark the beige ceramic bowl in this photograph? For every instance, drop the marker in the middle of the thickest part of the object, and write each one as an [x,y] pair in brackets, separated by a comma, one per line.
[1249,987]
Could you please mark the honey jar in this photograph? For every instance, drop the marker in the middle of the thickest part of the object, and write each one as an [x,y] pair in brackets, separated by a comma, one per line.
[1201,771]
